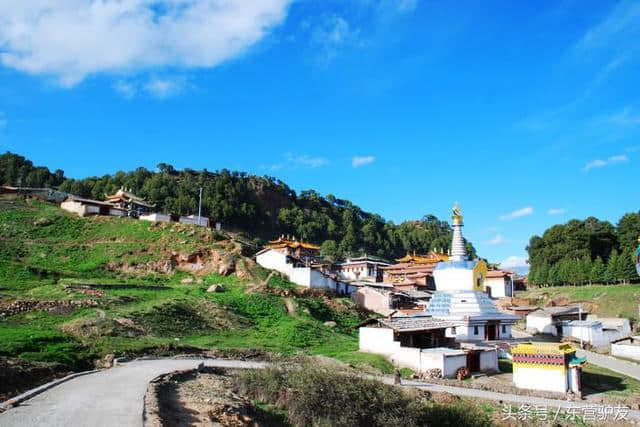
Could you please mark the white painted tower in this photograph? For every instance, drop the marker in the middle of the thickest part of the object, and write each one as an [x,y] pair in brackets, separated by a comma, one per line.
[458,252]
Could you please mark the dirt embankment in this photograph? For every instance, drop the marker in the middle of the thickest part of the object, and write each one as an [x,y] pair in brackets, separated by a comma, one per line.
[18,376]
[198,398]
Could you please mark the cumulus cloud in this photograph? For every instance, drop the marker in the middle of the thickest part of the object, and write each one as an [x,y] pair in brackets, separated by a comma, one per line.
[306,160]
[72,39]
[526,211]
[599,163]
[497,240]
[556,211]
[514,263]
[358,161]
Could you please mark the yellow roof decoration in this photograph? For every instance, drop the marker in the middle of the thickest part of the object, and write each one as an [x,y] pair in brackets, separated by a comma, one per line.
[430,258]
[543,348]
[281,242]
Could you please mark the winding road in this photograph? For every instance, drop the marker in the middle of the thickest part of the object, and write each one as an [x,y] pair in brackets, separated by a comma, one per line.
[115,397]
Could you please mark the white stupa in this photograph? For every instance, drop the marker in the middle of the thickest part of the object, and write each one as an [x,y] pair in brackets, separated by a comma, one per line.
[460,295]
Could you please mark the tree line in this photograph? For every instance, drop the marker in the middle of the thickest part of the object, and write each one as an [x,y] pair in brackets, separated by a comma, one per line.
[263,206]
[585,252]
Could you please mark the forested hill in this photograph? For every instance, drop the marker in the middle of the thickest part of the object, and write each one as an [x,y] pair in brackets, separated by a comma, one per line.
[261,205]
[585,251]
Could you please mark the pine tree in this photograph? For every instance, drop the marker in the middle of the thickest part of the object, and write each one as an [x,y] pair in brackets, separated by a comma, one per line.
[598,270]
[627,266]
[543,274]
[611,273]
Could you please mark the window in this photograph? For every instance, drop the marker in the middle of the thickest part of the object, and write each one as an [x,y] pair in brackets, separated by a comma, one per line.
[475,330]
[453,330]
[504,329]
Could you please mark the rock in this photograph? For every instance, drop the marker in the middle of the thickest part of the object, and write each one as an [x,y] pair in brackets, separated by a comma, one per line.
[42,222]
[106,362]
[187,281]
[225,269]
[330,324]
[215,288]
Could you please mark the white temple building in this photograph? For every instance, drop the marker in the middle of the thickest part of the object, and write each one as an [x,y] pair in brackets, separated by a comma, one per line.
[460,296]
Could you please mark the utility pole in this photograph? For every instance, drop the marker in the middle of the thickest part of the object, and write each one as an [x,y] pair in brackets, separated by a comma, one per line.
[581,328]
[200,208]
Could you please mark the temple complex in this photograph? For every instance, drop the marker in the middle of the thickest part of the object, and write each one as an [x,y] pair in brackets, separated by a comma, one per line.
[413,272]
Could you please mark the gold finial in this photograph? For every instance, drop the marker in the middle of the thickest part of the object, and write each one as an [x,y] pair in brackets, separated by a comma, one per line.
[457,214]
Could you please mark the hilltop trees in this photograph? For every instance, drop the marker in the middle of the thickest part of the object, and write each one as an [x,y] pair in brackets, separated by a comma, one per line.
[17,170]
[262,205]
[585,252]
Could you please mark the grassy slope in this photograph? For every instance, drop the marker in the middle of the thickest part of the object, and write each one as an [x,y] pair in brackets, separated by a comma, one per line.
[609,300]
[43,248]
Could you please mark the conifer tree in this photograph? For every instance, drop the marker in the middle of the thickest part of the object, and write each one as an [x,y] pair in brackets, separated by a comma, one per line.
[598,270]
[611,273]
[627,266]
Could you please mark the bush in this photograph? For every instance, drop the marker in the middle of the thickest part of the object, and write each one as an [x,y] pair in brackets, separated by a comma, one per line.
[316,396]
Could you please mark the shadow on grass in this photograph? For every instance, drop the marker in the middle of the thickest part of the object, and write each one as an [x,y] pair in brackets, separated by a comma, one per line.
[599,383]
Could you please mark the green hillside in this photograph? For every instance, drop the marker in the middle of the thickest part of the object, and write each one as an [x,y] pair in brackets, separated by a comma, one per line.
[262,206]
[603,300]
[126,302]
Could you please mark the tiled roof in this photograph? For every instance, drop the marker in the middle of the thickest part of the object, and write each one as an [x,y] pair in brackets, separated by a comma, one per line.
[417,323]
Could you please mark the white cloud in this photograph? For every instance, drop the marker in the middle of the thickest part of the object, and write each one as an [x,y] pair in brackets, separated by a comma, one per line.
[306,160]
[72,39]
[164,87]
[497,240]
[526,211]
[514,262]
[556,211]
[3,120]
[332,34]
[623,19]
[598,163]
[358,161]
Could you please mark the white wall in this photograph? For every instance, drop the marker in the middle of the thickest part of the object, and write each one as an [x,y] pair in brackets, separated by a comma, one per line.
[377,340]
[79,208]
[453,279]
[303,276]
[500,287]
[625,349]
[540,379]
[156,217]
[543,325]
[274,260]
[489,361]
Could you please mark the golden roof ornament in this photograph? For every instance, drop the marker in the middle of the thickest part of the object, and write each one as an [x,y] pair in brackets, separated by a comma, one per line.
[457,214]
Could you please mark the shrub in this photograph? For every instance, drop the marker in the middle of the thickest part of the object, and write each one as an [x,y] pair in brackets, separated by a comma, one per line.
[317,396]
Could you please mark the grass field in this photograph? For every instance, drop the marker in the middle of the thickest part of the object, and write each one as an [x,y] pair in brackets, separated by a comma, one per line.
[43,249]
[606,300]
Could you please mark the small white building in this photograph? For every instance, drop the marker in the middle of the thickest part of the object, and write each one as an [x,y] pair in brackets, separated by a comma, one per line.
[420,343]
[498,284]
[86,207]
[361,268]
[297,263]
[194,220]
[548,320]
[628,348]
[156,217]
[548,367]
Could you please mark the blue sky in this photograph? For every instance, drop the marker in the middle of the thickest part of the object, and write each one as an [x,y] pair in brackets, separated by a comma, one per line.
[526,114]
